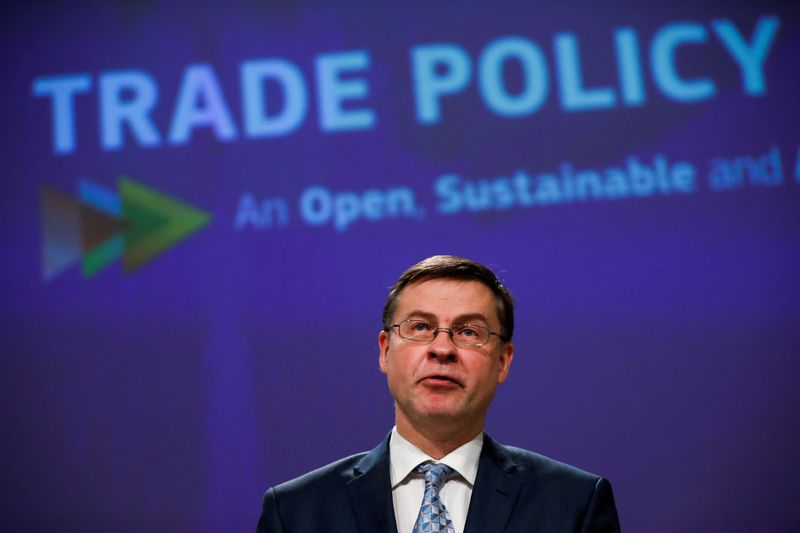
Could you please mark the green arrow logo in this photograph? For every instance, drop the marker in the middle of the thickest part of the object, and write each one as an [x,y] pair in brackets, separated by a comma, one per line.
[157,222]
[100,226]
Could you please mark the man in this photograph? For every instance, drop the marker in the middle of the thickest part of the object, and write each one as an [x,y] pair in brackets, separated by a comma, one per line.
[445,346]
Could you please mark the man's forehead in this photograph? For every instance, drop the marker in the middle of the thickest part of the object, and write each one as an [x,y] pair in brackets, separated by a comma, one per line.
[448,296]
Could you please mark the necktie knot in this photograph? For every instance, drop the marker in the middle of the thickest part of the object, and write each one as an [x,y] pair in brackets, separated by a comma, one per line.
[435,473]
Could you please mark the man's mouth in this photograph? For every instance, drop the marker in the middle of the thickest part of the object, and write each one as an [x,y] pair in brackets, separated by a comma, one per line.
[440,380]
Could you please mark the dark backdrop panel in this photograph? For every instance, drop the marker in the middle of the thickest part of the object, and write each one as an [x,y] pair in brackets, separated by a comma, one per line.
[205,204]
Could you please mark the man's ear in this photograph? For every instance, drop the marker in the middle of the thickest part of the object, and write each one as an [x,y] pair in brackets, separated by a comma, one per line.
[506,356]
[383,347]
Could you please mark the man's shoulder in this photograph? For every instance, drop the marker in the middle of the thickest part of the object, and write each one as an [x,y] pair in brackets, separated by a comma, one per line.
[321,499]
[322,478]
[557,496]
[532,461]
[532,465]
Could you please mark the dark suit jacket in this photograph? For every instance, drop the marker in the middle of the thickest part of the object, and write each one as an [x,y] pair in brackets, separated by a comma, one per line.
[515,490]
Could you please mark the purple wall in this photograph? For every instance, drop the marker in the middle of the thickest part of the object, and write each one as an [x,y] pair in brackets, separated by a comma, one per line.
[631,173]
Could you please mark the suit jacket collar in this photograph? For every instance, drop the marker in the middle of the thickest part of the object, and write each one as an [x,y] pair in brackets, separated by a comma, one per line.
[493,495]
[370,491]
[496,489]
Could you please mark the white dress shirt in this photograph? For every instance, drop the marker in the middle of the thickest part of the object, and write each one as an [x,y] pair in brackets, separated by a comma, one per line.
[408,487]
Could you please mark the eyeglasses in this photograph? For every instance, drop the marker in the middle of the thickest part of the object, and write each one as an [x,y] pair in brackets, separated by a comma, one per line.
[464,335]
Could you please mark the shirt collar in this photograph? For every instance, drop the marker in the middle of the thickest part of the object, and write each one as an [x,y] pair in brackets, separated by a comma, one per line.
[404,457]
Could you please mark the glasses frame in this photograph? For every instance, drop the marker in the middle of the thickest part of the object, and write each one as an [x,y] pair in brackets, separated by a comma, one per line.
[435,331]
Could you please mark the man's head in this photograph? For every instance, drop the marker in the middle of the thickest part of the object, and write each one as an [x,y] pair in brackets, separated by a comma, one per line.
[457,268]
[443,387]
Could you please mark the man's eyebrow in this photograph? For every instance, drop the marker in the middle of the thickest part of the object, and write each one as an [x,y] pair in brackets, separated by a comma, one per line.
[421,314]
[466,319]
[460,319]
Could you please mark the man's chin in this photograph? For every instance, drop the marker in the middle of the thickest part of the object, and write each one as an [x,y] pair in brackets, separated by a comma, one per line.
[441,411]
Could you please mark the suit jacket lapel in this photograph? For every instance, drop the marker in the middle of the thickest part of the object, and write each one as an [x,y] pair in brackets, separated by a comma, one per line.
[495,492]
[370,491]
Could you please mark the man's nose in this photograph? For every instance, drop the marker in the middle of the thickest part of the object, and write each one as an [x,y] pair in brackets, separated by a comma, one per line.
[442,346]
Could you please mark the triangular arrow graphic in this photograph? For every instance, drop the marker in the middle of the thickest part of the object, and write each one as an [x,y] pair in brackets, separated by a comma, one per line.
[136,223]
[157,222]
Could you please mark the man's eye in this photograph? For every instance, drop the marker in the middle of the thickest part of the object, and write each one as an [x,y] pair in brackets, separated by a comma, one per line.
[468,332]
[420,326]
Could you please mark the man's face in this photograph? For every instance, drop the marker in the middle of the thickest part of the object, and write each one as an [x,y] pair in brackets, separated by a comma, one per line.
[440,382]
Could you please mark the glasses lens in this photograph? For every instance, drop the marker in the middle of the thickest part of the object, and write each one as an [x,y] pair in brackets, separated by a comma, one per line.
[469,334]
[416,330]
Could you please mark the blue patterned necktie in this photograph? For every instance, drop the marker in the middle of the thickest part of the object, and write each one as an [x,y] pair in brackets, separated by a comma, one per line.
[433,516]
